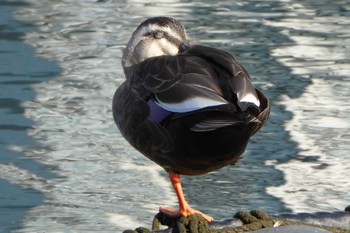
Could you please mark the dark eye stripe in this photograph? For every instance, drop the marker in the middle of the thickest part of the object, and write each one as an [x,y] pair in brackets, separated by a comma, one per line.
[159,34]
[173,40]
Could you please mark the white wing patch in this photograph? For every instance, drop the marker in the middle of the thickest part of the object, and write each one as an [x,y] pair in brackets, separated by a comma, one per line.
[191,104]
[249,97]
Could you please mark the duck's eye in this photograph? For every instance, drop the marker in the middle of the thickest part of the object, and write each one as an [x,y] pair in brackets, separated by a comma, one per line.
[158,34]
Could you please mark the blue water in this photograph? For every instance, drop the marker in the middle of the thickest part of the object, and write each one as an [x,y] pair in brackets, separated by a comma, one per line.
[65,167]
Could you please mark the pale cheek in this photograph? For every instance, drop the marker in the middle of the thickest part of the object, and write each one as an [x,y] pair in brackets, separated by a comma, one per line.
[153,50]
[158,48]
[168,47]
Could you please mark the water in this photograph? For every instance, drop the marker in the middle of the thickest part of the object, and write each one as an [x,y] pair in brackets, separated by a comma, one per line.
[65,167]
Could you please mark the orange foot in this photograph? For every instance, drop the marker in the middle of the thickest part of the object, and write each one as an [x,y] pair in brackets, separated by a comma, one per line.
[174,213]
[184,208]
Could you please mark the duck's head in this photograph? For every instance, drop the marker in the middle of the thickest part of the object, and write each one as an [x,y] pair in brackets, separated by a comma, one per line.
[156,36]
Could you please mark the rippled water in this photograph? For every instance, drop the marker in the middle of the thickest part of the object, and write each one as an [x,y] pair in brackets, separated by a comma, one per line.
[65,167]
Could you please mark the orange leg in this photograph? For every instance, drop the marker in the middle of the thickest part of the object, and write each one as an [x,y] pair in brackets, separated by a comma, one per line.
[184,208]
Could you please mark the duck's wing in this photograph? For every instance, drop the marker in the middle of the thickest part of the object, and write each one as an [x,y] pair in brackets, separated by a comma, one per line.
[202,78]
[235,78]
[180,83]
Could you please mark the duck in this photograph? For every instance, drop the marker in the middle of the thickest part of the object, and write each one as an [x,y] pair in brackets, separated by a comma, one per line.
[189,108]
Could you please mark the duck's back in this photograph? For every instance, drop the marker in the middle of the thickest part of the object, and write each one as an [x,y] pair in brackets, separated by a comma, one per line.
[192,113]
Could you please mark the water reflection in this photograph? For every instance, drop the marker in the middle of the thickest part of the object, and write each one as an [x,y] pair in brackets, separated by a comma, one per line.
[58,120]
[19,68]
[320,120]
